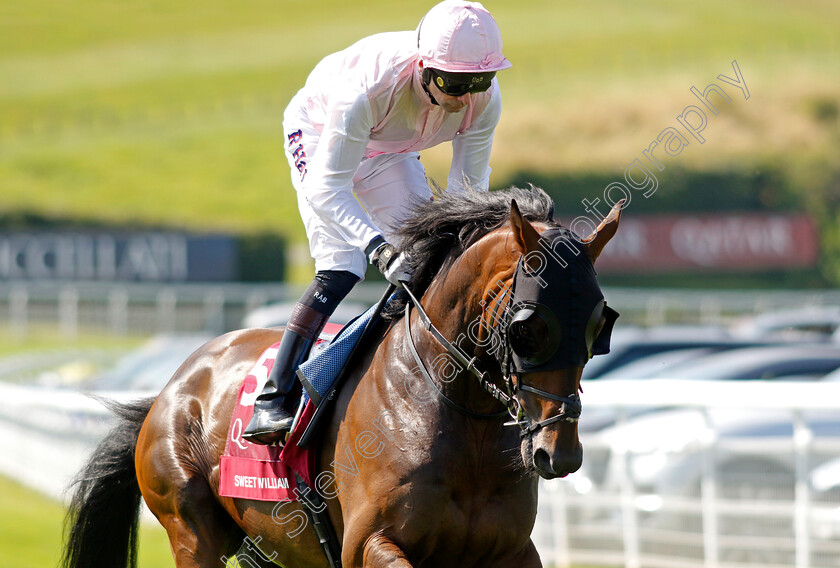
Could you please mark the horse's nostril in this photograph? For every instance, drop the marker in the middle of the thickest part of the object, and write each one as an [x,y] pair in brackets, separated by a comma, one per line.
[542,461]
[559,465]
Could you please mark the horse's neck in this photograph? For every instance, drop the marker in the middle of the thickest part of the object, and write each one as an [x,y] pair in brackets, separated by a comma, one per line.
[413,407]
[416,408]
[454,305]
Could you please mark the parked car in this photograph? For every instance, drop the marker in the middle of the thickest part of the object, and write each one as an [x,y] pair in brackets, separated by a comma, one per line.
[815,323]
[658,363]
[768,362]
[824,482]
[667,450]
[773,362]
[631,344]
[666,362]
[752,454]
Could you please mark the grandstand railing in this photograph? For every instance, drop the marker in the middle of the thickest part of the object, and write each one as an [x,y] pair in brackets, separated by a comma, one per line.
[143,309]
[146,309]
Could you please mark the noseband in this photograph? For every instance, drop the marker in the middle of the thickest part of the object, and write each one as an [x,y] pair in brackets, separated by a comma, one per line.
[570,405]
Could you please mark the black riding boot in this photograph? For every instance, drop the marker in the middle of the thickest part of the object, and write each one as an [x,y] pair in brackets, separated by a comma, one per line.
[273,413]
[274,409]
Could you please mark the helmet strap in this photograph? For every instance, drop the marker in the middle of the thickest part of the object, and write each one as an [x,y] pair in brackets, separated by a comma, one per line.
[426,79]
[427,76]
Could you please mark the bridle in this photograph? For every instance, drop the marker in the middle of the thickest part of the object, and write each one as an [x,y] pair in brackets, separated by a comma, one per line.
[570,405]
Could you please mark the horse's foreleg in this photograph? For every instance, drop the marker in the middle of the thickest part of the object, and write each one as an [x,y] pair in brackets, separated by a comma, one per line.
[378,551]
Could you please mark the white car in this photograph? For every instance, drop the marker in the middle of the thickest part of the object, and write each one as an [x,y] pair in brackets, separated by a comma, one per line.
[668,459]
[771,362]
[631,344]
[825,487]
[815,323]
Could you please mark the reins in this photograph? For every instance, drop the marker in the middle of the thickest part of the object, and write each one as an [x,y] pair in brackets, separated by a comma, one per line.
[465,361]
[571,405]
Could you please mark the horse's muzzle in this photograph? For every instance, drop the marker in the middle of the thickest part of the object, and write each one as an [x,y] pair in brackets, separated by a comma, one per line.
[558,464]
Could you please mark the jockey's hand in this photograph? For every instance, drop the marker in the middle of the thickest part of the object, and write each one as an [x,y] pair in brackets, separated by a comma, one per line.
[394,265]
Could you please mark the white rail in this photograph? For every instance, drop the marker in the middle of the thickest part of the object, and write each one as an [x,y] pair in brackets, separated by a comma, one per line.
[619,521]
[603,516]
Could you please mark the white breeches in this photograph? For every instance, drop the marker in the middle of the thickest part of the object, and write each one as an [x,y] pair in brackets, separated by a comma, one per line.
[386,185]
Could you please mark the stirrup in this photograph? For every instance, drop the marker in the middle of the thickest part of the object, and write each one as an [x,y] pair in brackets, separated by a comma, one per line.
[268,430]
[269,438]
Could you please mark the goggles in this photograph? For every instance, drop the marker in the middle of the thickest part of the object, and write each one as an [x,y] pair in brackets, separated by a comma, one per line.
[458,84]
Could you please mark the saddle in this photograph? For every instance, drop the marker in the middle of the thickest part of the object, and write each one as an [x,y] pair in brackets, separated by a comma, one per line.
[267,473]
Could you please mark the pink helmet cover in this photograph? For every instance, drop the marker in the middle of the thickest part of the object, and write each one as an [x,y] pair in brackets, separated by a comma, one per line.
[461,37]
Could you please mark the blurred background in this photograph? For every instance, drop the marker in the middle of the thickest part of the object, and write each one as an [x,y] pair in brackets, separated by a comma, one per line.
[146,206]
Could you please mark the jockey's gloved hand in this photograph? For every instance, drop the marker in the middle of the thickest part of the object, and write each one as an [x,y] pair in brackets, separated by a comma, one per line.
[394,265]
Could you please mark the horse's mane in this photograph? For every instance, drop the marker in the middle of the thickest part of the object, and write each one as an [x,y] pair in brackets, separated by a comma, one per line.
[436,232]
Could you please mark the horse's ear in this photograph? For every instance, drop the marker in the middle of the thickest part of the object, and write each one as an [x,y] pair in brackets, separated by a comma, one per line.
[595,242]
[525,234]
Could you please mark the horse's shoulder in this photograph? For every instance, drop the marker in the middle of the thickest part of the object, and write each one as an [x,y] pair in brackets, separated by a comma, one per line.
[249,338]
[222,360]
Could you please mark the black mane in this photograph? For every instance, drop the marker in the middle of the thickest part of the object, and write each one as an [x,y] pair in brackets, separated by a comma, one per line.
[437,232]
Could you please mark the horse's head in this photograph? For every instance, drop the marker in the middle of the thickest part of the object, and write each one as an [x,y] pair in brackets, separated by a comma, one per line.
[556,321]
[533,310]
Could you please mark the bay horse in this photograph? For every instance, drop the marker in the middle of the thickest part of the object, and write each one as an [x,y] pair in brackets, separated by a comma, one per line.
[419,474]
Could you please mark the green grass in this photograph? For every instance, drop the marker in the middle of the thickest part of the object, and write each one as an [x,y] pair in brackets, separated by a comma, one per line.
[170,112]
[31,529]
[49,338]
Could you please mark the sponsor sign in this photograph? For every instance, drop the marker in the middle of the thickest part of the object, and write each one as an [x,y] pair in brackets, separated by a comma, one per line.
[117,257]
[723,242]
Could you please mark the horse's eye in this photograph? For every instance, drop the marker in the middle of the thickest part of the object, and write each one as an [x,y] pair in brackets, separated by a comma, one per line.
[529,334]
[534,334]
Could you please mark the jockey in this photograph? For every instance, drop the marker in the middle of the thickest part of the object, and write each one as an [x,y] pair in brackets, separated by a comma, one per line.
[353,135]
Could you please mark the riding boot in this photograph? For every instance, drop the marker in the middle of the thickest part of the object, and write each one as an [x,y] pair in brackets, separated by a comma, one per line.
[275,406]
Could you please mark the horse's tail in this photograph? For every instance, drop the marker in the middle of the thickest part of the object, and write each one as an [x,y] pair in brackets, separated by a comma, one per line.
[103,518]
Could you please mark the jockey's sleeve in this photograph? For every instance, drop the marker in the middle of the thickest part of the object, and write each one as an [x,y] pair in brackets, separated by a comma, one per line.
[341,147]
[471,148]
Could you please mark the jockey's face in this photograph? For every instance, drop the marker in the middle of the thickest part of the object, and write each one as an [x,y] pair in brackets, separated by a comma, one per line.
[447,102]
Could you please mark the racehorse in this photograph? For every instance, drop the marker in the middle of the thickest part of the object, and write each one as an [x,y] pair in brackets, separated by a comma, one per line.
[440,473]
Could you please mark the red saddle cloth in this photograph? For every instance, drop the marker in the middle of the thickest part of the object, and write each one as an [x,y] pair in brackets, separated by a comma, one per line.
[255,471]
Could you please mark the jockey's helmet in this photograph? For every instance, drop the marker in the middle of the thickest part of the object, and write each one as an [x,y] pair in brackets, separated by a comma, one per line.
[457,36]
